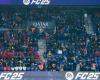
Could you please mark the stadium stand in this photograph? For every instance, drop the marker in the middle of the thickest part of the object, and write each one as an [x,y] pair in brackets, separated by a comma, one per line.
[49,39]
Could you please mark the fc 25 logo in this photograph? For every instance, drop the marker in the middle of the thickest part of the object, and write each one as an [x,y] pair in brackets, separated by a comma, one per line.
[82,76]
[11,75]
[36,2]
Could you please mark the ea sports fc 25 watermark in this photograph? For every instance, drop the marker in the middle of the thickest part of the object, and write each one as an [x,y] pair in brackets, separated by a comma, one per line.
[82,76]
[36,2]
[31,75]
[11,75]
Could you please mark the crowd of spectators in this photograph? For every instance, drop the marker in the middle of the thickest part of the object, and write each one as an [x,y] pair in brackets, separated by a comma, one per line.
[69,47]
[18,45]
[74,49]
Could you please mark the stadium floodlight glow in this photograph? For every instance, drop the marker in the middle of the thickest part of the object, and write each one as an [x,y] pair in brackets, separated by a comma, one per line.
[85,15]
